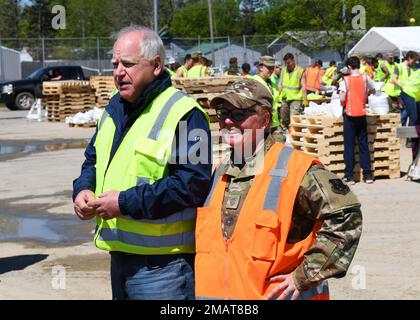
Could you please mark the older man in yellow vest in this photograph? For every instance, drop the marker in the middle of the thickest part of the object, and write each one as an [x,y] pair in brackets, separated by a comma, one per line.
[138,180]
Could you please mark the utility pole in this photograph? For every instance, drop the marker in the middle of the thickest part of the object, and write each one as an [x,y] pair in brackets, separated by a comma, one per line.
[343,15]
[155,15]
[211,32]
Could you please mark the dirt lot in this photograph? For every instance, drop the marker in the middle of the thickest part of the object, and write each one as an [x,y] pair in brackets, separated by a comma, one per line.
[47,254]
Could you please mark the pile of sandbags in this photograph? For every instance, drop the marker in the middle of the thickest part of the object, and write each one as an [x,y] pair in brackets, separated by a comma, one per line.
[332,108]
[85,119]
[378,103]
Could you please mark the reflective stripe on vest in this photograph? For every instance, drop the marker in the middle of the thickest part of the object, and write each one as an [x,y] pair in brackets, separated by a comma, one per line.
[171,73]
[390,68]
[183,69]
[157,126]
[146,241]
[356,100]
[291,87]
[216,177]
[103,118]
[277,176]
[142,158]
[312,81]
[197,72]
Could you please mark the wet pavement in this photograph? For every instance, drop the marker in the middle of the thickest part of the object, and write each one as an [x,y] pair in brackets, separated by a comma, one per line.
[62,230]
[15,149]
[21,224]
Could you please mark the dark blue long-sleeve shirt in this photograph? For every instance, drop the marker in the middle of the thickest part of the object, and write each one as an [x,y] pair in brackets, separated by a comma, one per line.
[186,185]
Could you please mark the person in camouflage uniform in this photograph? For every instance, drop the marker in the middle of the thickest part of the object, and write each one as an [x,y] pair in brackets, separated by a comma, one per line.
[322,196]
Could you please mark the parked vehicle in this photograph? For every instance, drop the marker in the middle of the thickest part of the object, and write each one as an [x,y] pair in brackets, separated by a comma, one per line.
[21,94]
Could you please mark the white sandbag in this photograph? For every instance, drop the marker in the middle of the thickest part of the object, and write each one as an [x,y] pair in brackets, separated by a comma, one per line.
[333,109]
[378,85]
[378,103]
[85,117]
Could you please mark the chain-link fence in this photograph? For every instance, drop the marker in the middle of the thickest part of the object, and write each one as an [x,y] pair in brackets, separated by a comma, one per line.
[94,53]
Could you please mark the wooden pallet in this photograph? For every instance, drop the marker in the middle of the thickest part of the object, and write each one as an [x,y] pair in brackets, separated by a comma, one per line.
[66,98]
[322,137]
[83,125]
[206,85]
[59,87]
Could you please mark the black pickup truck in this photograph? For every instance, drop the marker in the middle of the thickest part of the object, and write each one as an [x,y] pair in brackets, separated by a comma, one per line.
[21,94]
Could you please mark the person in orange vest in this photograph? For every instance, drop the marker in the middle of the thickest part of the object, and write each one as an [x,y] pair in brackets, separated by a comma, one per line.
[276,224]
[354,92]
[314,74]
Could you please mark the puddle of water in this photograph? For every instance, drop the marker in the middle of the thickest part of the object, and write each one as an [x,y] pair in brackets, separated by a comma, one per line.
[20,149]
[51,230]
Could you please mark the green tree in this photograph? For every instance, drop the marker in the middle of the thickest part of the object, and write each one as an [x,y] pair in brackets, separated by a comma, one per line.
[37,17]
[86,19]
[9,23]
[192,19]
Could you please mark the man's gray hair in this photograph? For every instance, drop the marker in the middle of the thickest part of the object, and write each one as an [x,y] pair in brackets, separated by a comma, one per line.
[151,45]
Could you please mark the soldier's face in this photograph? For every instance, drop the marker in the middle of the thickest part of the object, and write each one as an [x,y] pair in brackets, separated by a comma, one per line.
[246,132]
[290,64]
[265,71]
[132,73]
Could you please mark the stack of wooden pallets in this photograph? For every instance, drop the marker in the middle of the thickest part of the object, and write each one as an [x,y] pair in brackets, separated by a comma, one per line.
[384,144]
[204,90]
[103,85]
[66,98]
[322,137]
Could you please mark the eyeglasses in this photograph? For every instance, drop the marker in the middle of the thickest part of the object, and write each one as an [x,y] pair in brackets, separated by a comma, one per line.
[235,114]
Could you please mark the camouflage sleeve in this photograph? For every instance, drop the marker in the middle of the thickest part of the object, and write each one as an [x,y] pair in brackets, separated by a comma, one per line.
[324,197]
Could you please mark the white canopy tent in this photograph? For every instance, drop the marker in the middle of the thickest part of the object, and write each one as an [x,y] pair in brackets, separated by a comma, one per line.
[396,40]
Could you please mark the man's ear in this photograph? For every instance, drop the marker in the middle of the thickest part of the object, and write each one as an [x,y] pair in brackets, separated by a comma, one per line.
[265,122]
[158,67]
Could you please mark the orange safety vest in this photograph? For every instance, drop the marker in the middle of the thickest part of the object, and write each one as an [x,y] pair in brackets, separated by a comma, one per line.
[313,78]
[238,268]
[356,95]
[369,71]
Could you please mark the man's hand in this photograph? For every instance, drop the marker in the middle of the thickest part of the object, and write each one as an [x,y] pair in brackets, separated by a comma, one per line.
[81,207]
[287,285]
[107,205]
[305,102]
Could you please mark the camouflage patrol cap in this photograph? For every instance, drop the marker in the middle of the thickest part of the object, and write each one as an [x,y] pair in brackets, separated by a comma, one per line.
[244,94]
[196,54]
[267,61]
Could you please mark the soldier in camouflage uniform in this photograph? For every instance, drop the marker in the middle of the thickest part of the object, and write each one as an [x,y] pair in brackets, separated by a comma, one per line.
[322,197]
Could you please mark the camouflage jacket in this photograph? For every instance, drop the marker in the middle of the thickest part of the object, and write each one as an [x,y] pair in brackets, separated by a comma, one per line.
[322,197]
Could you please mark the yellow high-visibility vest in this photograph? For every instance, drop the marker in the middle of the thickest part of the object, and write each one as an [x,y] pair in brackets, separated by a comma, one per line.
[291,87]
[143,158]
[197,72]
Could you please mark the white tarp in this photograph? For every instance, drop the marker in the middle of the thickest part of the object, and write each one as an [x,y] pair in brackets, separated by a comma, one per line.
[396,40]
